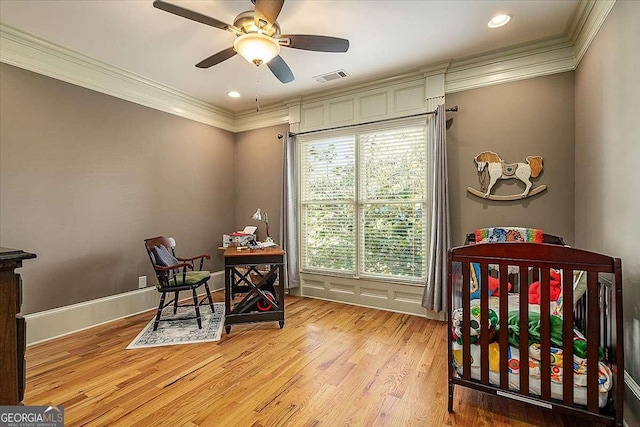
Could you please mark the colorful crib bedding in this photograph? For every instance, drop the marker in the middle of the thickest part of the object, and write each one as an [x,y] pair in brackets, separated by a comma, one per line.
[508,234]
[534,297]
[534,355]
[579,391]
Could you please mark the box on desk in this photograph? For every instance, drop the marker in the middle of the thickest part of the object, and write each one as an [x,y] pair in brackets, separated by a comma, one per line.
[230,239]
[239,238]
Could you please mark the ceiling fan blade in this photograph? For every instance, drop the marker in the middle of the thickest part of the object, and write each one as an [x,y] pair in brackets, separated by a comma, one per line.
[216,58]
[280,69]
[316,43]
[189,14]
[267,11]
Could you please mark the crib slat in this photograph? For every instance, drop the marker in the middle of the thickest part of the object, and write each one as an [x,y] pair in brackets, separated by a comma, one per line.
[504,331]
[466,324]
[545,335]
[605,315]
[567,337]
[524,332]
[593,338]
[484,322]
[602,317]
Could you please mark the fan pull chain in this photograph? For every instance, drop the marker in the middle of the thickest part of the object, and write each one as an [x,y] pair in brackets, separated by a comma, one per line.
[257,86]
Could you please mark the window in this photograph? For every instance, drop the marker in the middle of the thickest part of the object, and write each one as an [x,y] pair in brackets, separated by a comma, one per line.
[364,201]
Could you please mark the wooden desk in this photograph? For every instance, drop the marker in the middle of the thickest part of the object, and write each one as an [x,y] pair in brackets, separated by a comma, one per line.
[12,328]
[249,260]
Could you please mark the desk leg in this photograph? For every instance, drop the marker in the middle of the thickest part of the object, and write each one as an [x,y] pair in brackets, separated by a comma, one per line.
[281,299]
[227,295]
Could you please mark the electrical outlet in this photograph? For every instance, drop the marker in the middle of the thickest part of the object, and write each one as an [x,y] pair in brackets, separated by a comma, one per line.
[142,282]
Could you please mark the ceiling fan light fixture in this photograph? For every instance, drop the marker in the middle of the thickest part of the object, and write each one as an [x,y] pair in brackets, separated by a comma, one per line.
[500,20]
[257,48]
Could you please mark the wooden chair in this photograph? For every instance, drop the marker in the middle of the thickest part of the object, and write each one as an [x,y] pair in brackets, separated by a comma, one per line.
[177,274]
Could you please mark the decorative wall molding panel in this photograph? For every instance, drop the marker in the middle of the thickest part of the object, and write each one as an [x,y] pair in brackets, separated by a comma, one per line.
[390,296]
[382,102]
[360,87]
[375,99]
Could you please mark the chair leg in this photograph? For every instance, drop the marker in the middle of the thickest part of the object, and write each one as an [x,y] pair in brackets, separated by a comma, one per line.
[175,302]
[197,307]
[206,286]
[157,322]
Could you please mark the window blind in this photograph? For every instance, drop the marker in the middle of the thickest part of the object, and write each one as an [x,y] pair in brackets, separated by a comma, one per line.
[363,201]
[393,202]
[328,204]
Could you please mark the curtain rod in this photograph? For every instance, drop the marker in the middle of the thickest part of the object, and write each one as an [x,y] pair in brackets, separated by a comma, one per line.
[453,109]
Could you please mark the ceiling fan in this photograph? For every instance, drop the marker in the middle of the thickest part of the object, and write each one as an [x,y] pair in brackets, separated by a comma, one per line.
[258,37]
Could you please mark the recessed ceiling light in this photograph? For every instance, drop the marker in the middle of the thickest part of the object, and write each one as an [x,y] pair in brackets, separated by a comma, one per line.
[500,20]
[234,94]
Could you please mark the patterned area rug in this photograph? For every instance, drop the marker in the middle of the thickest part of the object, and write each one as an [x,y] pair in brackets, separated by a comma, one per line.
[183,331]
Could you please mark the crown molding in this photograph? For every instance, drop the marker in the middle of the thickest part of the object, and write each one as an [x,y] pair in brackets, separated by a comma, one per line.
[585,25]
[272,115]
[576,22]
[522,62]
[435,69]
[35,54]
[540,58]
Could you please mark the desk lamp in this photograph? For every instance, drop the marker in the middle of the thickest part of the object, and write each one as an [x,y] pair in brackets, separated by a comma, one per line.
[262,216]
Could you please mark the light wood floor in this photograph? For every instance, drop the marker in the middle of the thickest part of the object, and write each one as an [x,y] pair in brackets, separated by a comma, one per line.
[331,365]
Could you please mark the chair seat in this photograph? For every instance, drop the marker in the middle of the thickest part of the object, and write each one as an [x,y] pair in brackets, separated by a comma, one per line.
[192,278]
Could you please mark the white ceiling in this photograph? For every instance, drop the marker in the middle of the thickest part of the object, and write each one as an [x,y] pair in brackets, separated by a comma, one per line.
[386,38]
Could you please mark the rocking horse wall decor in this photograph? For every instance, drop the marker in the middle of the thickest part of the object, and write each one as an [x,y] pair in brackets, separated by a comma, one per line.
[496,169]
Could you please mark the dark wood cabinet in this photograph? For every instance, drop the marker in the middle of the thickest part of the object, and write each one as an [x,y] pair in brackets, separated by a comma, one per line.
[12,327]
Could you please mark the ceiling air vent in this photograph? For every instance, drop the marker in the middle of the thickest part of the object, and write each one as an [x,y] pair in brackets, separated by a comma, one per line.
[334,75]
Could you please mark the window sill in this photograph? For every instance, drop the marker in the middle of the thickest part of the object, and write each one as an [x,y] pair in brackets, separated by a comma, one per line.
[418,283]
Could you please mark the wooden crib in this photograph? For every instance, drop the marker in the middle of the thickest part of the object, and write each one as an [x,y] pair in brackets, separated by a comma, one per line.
[477,327]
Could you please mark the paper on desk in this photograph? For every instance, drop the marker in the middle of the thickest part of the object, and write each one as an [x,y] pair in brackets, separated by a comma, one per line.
[263,245]
[249,229]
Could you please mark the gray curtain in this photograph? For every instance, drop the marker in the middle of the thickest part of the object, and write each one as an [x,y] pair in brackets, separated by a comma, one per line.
[435,291]
[288,217]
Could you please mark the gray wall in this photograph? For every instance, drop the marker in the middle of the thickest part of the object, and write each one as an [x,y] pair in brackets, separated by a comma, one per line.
[607,156]
[259,177]
[515,120]
[85,177]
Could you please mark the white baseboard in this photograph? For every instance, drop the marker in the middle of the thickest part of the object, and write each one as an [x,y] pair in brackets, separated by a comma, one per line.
[631,384]
[46,325]
[633,387]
